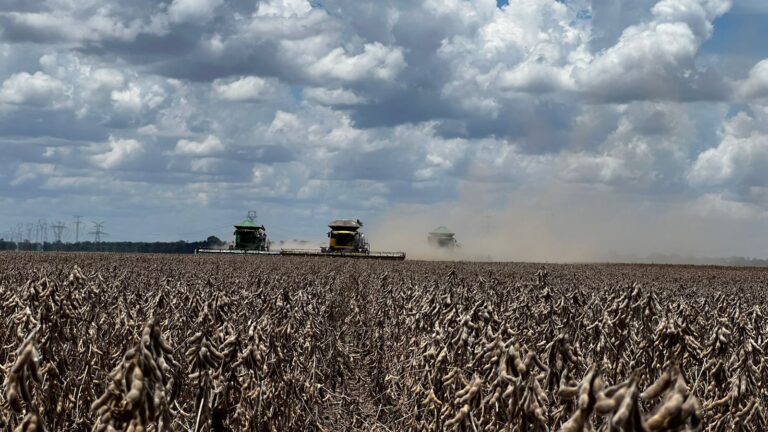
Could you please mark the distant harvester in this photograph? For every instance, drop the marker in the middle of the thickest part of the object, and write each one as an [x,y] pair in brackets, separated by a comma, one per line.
[442,237]
[251,236]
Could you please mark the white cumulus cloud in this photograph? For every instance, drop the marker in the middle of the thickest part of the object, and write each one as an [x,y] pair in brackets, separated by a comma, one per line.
[739,160]
[209,146]
[38,89]
[120,152]
[377,61]
[284,8]
[196,11]
[249,88]
[756,84]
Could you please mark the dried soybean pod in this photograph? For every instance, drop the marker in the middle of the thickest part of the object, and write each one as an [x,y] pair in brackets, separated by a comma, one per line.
[13,399]
[568,392]
[625,409]
[604,405]
[22,360]
[137,385]
[431,399]
[98,403]
[575,423]
[692,406]
[670,409]
[459,417]
[585,389]
[658,387]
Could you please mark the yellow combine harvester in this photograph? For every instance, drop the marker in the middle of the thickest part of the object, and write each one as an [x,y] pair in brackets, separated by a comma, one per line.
[346,240]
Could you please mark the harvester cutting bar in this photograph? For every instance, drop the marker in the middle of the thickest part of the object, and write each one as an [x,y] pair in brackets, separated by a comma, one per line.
[399,256]
[235,252]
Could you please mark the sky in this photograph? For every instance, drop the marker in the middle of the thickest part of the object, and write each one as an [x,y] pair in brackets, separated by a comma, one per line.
[583,127]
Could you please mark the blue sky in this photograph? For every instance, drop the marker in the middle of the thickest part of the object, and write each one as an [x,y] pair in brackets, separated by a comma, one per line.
[562,123]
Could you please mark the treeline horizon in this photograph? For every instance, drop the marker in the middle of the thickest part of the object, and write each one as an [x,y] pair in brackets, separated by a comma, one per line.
[174,247]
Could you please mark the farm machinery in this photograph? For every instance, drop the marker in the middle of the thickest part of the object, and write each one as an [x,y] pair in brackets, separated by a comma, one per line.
[442,238]
[250,238]
[345,239]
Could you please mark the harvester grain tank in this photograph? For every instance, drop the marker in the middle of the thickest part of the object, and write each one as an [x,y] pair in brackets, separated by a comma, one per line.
[345,239]
[442,238]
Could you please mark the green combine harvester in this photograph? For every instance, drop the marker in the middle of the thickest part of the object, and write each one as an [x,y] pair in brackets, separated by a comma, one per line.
[250,238]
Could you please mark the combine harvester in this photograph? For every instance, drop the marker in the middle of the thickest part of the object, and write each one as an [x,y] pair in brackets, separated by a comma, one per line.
[442,238]
[250,239]
[345,240]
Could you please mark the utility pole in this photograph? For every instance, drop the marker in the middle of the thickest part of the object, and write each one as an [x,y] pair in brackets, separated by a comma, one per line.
[97,231]
[77,224]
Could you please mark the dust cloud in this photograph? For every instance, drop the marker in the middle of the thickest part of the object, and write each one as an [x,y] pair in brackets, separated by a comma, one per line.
[570,224]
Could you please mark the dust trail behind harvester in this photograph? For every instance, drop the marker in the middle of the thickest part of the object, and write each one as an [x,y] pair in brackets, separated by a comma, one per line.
[567,224]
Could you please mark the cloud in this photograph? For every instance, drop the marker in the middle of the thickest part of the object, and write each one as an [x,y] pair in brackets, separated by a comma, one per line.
[656,60]
[120,152]
[536,78]
[38,90]
[211,145]
[74,26]
[284,8]
[243,89]
[739,161]
[127,100]
[375,62]
[195,11]
[755,86]
[27,172]
[336,96]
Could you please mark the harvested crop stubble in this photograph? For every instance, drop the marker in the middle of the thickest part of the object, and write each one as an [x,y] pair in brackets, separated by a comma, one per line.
[153,343]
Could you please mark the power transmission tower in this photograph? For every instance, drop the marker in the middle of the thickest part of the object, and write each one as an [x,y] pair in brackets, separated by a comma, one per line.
[20,232]
[30,228]
[77,224]
[97,231]
[42,226]
[58,230]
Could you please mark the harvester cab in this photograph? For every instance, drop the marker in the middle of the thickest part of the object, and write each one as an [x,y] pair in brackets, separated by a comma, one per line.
[345,236]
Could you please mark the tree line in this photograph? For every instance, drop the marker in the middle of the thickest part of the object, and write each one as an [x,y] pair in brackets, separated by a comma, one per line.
[176,247]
